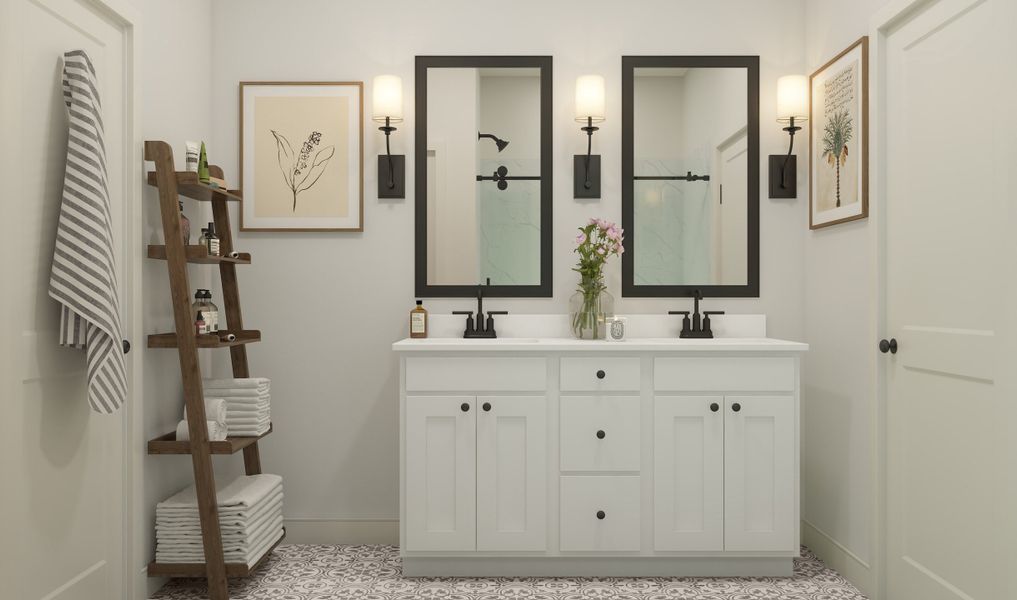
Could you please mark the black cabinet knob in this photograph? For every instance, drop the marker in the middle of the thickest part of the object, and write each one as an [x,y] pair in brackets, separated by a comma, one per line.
[736,407]
[888,346]
[127,346]
[601,374]
[601,514]
[465,407]
[601,434]
[486,407]
[714,407]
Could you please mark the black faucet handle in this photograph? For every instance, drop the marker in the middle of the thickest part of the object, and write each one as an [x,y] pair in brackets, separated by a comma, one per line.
[678,312]
[713,312]
[497,312]
[463,312]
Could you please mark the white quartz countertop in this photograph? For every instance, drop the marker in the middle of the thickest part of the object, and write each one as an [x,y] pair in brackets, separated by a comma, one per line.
[521,344]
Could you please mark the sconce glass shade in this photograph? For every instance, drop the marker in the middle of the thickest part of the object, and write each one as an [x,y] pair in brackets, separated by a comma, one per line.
[590,98]
[792,98]
[387,99]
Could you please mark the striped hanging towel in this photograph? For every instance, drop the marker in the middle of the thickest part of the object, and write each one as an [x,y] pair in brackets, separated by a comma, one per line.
[84,278]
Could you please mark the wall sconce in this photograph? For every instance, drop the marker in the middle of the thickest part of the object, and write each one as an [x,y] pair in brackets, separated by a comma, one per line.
[589,110]
[793,109]
[387,102]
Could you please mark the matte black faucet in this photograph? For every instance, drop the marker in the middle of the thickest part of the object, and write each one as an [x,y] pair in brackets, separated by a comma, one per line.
[480,328]
[698,326]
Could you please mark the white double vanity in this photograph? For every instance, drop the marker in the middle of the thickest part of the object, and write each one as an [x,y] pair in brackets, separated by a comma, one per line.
[554,456]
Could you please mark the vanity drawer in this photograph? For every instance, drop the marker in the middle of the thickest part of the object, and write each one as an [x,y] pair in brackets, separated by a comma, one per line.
[600,433]
[610,374]
[599,513]
[727,374]
[452,374]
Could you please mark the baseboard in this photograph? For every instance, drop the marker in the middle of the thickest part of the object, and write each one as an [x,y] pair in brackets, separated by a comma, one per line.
[839,558]
[303,530]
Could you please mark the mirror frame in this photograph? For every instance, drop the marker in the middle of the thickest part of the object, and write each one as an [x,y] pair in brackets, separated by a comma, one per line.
[629,288]
[423,288]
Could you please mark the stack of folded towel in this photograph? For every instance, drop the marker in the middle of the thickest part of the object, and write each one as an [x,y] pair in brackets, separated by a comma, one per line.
[250,519]
[248,411]
[216,415]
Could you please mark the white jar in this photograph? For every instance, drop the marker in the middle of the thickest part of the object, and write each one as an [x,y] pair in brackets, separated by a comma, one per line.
[615,329]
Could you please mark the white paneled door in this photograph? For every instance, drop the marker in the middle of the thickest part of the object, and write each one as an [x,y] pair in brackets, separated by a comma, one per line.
[511,473]
[688,495]
[949,87]
[63,500]
[759,473]
[441,468]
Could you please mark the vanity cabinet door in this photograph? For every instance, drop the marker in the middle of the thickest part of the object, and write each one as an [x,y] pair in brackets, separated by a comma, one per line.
[688,473]
[441,472]
[511,473]
[759,473]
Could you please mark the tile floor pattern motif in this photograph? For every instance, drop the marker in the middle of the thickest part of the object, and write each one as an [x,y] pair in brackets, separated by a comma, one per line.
[305,572]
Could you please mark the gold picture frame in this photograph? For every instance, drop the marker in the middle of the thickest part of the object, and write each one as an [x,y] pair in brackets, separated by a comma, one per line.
[839,138]
[302,156]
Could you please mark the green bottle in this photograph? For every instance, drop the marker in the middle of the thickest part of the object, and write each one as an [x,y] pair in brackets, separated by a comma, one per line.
[203,165]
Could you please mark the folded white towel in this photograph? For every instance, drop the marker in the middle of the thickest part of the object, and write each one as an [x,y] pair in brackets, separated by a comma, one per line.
[244,491]
[215,410]
[195,544]
[233,519]
[217,432]
[238,382]
[249,559]
[247,417]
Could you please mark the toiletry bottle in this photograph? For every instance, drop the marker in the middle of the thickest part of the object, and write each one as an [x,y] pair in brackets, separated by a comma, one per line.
[200,327]
[199,304]
[203,165]
[211,240]
[203,238]
[418,321]
[185,224]
[213,310]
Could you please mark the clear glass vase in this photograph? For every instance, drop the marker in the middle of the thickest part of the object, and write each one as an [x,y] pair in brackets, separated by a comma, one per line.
[589,308]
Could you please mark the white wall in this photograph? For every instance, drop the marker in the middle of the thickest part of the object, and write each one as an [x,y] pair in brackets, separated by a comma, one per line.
[329,305]
[175,105]
[839,386]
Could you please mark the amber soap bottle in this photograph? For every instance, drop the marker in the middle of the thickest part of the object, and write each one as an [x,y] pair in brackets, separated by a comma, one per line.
[418,321]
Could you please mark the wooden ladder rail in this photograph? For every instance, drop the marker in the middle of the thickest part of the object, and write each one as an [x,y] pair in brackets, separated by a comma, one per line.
[231,302]
[176,259]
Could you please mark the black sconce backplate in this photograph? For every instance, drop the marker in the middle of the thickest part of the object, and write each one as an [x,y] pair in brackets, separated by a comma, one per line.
[579,189]
[398,176]
[789,175]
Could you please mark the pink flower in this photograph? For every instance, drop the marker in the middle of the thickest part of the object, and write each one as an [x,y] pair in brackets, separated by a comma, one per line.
[621,249]
[601,251]
[613,233]
[581,238]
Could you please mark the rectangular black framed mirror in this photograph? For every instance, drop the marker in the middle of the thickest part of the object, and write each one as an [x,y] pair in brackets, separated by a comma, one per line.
[483,176]
[690,176]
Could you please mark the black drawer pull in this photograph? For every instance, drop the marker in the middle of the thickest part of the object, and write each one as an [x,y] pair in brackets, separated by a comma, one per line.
[600,434]
[601,514]
[601,374]
[465,407]
[714,407]
[736,407]
[486,407]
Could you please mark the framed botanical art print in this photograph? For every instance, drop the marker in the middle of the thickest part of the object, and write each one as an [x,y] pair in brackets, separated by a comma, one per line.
[301,156]
[839,138]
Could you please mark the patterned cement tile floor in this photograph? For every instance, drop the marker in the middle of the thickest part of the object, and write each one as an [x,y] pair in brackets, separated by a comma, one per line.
[303,572]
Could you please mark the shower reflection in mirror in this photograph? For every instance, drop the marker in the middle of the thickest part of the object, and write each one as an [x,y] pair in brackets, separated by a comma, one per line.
[484,182]
[688,192]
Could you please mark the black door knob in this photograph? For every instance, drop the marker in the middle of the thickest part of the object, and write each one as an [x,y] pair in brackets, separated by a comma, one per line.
[127,346]
[601,374]
[714,407]
[888,346]
[601,514]
[486,407]
[600,434]
[736,407]
[465,407]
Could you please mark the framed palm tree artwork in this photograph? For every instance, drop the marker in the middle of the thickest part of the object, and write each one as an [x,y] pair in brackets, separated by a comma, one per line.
[839,138]
[301,156]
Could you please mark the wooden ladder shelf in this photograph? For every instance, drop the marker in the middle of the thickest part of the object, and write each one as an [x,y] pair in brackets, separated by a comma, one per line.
[172,185]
